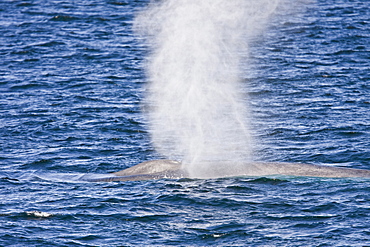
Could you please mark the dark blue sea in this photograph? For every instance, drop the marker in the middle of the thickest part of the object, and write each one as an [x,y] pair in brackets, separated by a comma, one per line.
[72,81]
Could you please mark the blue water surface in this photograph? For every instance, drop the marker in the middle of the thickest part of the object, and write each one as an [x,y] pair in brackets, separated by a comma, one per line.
[71,85]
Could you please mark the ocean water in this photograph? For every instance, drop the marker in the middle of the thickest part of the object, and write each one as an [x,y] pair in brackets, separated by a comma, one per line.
[72,83]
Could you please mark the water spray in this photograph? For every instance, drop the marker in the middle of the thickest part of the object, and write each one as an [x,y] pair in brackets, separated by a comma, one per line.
[197,108]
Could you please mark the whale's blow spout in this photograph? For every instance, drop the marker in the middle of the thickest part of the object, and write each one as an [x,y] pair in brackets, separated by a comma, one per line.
[196,104]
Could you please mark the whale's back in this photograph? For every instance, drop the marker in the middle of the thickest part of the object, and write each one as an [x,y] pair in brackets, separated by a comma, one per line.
[151,167]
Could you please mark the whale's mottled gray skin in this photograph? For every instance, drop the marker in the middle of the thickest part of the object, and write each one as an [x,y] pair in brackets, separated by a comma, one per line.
[159,169]
[153,169]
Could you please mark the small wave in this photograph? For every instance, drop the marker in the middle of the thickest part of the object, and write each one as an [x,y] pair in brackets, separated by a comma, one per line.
[63,18]
[38,214]
[266,180]
[25,86]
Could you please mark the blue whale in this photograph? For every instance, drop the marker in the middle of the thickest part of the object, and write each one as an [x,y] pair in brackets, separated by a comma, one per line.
[160,169]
